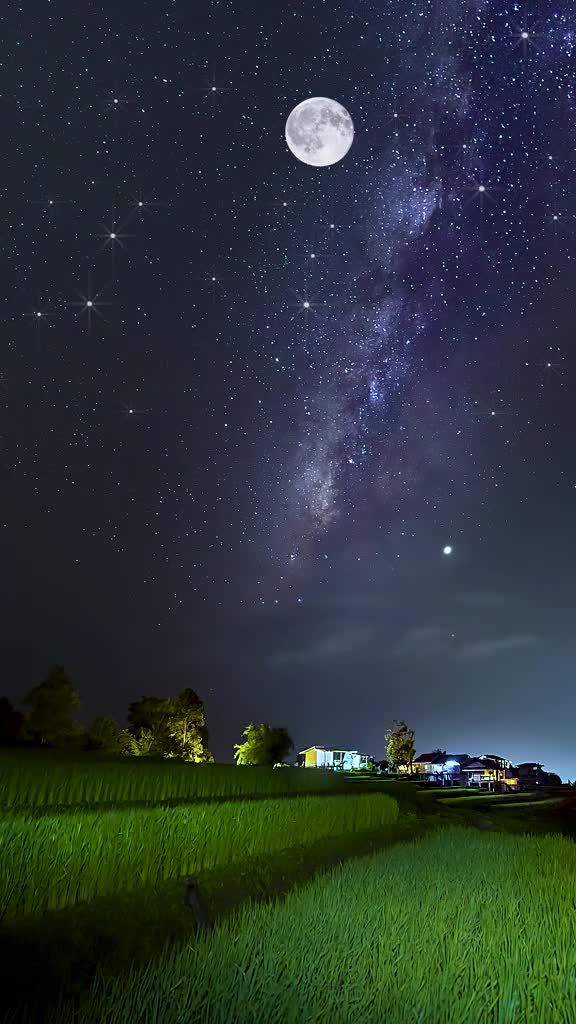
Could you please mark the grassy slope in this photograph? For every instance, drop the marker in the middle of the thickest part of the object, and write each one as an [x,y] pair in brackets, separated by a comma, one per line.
[458,927]
[57,954]
[52,862]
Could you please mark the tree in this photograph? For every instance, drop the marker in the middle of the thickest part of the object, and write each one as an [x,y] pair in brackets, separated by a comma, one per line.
[264,745]
[187,727]
[104,734]
[11,723]
[52,705]
[142,745]
[169,726]
[400,747]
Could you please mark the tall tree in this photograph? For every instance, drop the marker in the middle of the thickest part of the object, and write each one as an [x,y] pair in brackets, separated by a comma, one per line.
[11,723]
[400,745]
[187,727]
[170,726]
[104,734]
[52,706]
[264,745]
[148,720]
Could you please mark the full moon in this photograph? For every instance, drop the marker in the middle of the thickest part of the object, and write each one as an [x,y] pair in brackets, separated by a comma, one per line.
[319,131]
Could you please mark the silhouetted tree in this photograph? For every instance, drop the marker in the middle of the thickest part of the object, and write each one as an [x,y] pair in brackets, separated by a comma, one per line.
[264,745]
[11,723]
[104,734]
[52,705]
[400,744]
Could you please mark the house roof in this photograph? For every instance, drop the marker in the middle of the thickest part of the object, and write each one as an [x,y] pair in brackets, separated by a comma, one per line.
[317,746]
[477,762]
[432,758]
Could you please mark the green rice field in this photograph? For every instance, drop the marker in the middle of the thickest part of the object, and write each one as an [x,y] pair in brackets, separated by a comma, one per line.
[56,861]
[458,928]
[33,780]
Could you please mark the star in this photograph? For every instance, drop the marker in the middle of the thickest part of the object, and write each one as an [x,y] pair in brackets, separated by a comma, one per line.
[112,237]
[89,304]
[39,316]
[131,413]
[212,88]
[524,36]
[447,549]
[50,203]
[482,190]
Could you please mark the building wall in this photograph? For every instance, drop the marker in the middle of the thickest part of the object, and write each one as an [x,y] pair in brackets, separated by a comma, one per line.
[324,759]
[317,758]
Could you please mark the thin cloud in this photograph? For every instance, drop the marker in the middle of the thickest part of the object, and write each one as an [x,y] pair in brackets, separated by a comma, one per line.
[436,641]
[424,642]
[332,645]
[500,645]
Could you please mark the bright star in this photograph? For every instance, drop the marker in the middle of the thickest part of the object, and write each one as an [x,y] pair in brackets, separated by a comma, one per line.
[90,304]
[524,36]
[482,190]
[447,550]
[112,236]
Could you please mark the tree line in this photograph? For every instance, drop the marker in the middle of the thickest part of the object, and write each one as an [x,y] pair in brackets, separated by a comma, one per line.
[172,727]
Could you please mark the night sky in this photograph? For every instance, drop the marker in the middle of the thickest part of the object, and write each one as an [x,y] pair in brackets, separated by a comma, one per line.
[262,397]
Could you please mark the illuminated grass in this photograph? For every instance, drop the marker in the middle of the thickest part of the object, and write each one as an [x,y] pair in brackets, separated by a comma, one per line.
[30,779]
[53,861]
[460,927]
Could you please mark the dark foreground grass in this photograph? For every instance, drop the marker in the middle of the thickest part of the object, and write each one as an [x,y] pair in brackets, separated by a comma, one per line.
[459,927]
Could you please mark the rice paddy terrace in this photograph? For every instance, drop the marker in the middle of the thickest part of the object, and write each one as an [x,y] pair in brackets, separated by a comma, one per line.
[322,897]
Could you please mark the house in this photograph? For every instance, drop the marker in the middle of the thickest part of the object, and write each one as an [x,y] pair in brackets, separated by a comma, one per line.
[532,774]
[329,757]
[437,766]
[491,772]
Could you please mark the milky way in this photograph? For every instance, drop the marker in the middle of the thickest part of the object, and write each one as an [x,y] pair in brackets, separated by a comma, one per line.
[389,414]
